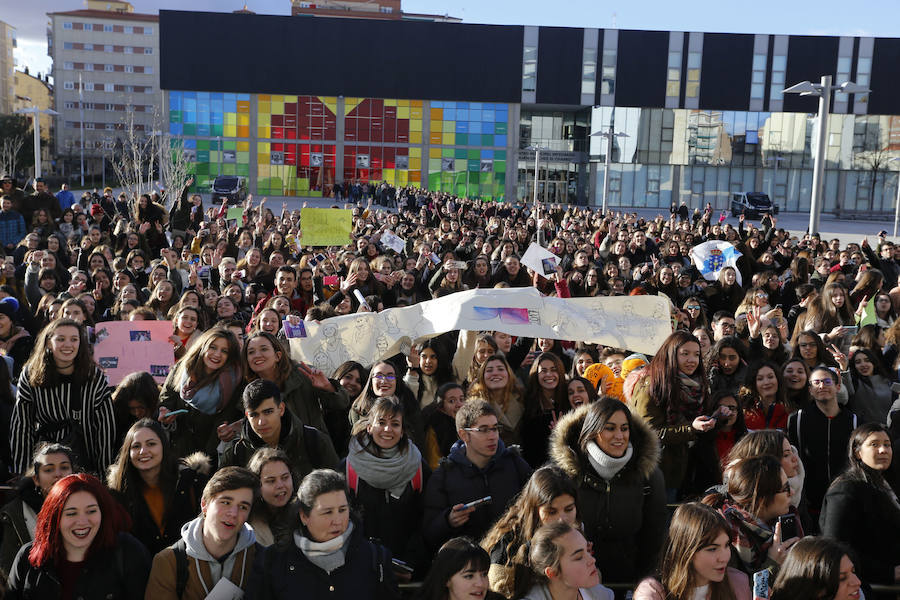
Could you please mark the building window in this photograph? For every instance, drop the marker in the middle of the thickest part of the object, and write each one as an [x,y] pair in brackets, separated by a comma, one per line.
[68,66]
[758,81]
[110,127]
[129,50]
[673,75]
[88,125]
[779,64]
[89,86]
[69,105]
[68,85]
[68,46]
[107,28]
[148,70]
[110,107]
[129,68]
[108,68]
[89,106]
[148,50]
[71,125]
[588,76]
[89,66]
[129,29]
[529,69]
[692,89]
[110,87]
[608,80]
[386,9]
[148,31]
[88,47]
[148,90]
[67,25]
[108,48]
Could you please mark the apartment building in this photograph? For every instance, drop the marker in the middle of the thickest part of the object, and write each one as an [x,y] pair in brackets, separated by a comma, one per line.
[105,65]
[36,91]
[7,67]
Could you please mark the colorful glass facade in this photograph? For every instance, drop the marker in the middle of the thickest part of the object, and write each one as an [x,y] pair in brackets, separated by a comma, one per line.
[301,145]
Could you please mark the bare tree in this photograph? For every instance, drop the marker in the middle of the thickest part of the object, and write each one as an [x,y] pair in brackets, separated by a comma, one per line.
[134,163]
[9,150]
[873,157]
[175,168]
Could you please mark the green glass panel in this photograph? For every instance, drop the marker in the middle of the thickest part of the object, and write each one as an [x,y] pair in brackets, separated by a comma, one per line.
[216,130]
[499,155]
[243,170]
[474,165]
[229,169]
[487,140]
[203,156]
[500,128]
[473,154]
[499,166]
[434,181]
[229,144]
[174,116]
[190,129]
[461,153]
[447,152]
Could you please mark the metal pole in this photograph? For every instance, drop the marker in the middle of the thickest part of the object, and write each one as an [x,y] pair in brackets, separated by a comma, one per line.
[81,111]
[815,205]
[537,155]
[37,140]
[609,141]
[897,205]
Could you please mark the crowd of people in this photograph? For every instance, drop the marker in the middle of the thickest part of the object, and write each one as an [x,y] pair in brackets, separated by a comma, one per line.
[751,452]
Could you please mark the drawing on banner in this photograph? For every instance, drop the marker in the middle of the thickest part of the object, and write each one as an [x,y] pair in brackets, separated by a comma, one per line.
[140,336]
[108,362]
[510,316]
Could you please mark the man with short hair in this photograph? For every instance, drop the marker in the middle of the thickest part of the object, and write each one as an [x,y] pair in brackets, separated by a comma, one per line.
[8,188]
[723,324]
[821,434]
[479,465]
[270,423]
[65,198]
[41,199]
[12,225]
[285,285]
[216,550]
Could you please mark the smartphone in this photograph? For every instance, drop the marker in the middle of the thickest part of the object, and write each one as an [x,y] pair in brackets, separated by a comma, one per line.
[195,260]
[401,566]
[788,526]
[485,500]
[850,329]
[330,280]
[434,259]
[177,412]
[312,262]
[320,257]
[459,264]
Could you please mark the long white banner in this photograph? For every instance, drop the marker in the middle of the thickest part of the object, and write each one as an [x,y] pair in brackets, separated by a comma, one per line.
[636,323]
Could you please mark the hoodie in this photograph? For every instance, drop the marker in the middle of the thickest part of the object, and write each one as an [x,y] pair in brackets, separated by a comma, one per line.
[598,592]
[192,534]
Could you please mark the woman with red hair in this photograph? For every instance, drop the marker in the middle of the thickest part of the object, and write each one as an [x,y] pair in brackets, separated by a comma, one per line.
[80,548]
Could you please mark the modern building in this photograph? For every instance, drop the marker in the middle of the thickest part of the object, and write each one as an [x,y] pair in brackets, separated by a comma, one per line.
[7,67]
[462,107]
[105,70]
[36,91]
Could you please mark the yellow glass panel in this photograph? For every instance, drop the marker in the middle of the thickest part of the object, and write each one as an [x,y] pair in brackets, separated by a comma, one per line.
[435,137]
[415,152]
[693,74]
[388,175]
[402,102]
[264,132]
[402,178]
[673,88]
[243,131]
[350,104]
[243,119]
[243,146]
[262,147]
[230,131]
[415,137]
[262,170]
[415,112]
[265,97]
[231,118]
[390,102]
[417,103]
[437,126]
[448,139]
[278,99]
[415,124]
[302,185]
[402,112]
[328,98]
[415,163]
[277,108]
[265,108]
[243,106]
[437,114]
[434,152]
[449,127]
[692,89]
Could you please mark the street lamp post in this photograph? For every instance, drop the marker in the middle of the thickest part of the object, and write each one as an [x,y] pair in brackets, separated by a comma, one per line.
[36,113]
[537,170]
[609,135]
[897,199]
[823,90]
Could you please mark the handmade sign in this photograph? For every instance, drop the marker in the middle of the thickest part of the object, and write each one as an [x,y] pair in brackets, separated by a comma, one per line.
[235,213]
[389,240]
[325,226]
[123,347]
[539,259]
[637,323]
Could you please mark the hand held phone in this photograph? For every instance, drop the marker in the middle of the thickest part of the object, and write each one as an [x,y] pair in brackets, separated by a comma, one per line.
[174,413]
[761,585]
[330,280]
[788,527]
[485,500]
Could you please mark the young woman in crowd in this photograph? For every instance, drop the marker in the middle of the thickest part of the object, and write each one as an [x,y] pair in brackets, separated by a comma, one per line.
[817,567]
[612,456]
[546,399]
[80,548]
[350,375]
[763,397]
[386,475]
[383,381]
[185,330]
[580,391]
[160,491]
[274,517]
[459,572]
[206,385]
[860,507]
[872,395]
[51,463]
[329,551]
[430,367]
[548,496]
[695,561]
[136,397]
[440,423]
[795,375]
[497,385]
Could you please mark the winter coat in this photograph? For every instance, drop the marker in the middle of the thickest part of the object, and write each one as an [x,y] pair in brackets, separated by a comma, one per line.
[119,573]
[822,445]
[184,506]
[598,592]
[306,447]
[458,481]
[440,435]
[674,438]
[309,403]
[282,572]
[625,517]
[237,565]
[872,398]
[737,580]
[16,528]
[867,519]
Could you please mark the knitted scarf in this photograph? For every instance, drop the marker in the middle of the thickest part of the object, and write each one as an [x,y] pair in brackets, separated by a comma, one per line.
[605,465]
[690,400]
[391,471]
[329,555]
[210,398]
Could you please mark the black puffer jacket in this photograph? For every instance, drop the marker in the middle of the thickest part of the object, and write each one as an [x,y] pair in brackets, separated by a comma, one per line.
[457,481]
[12,519]
[116,574]
[285,573]
[625,517]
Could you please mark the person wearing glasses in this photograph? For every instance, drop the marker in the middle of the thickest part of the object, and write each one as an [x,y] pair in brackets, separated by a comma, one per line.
[479,466]
[821,433]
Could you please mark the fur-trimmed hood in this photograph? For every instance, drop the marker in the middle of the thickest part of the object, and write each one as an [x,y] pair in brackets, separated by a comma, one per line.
[198,461]
[566,455]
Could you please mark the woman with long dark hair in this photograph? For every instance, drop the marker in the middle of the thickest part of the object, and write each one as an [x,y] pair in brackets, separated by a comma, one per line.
[860,507]
[80,548]
[816,568]
[160,491]
[670,397]
[459,572]
[764,396]
[440,423]
[383,381]
[872,395]
[430,366]
[546,399]
[274,517]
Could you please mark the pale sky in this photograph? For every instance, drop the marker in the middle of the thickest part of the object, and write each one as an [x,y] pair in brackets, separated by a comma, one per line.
[822,17]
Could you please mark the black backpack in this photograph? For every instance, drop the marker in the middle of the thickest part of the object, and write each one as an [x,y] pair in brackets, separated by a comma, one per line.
[181,567]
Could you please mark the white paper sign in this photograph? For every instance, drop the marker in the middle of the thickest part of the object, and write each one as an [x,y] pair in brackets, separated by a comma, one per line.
[389,240]
[540,260]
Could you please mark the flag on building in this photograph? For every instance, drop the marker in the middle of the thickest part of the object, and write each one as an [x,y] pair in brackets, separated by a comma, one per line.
[713,256]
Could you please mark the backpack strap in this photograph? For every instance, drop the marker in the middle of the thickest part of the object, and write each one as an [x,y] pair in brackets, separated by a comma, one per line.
[310,439]
[181,567]
[352,478]
[416,480]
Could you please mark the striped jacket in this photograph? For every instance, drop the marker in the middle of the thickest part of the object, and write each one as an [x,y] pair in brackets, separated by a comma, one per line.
[88,406]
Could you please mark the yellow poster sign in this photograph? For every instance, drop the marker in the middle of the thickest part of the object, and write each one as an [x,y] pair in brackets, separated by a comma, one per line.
[325,226]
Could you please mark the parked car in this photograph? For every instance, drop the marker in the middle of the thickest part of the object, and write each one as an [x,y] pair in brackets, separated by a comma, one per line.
[232,187]
[752,204]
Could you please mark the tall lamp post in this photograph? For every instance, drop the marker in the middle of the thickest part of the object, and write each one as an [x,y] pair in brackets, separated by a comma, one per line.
[823,91]
[897,199]
[609,135]
[537,170]
[36,113]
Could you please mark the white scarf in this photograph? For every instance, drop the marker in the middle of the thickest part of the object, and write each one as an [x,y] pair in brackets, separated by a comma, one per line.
[329,555]
[605,465]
